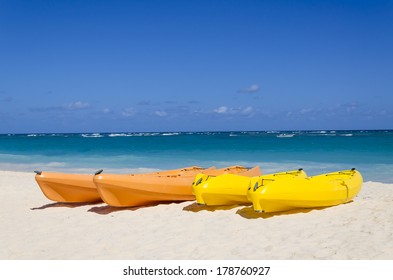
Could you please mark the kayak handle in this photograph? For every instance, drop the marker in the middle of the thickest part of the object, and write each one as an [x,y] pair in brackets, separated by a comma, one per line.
[98,172]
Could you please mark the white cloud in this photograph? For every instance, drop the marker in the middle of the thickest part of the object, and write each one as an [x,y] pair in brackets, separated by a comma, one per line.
[221,110]
[76,105]
[106,110]
[251,89]
[128,112]
[244,111]
[306,111]
[348,107]
[247,111]
[160,113]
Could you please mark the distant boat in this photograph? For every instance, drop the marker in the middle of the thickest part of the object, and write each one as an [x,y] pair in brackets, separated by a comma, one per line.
[285,135]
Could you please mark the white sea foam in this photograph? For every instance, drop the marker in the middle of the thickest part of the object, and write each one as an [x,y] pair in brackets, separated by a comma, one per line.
[92,135]
[145,134]
[120,135]
[170,133]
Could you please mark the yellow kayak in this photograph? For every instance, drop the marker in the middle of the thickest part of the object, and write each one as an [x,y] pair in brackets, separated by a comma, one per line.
[74,188]
[318,191]
[126,191]
[230,189]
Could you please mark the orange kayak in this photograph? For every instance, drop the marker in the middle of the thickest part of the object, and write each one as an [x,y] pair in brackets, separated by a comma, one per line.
[64,187]
[129,190]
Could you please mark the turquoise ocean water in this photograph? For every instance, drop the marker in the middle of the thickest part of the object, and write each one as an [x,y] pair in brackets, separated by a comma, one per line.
[371,152]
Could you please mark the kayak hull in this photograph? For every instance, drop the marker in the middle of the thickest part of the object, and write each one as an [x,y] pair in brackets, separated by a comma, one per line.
[230,189]
[130,191]
[80,188]
[319,191]
[62,187]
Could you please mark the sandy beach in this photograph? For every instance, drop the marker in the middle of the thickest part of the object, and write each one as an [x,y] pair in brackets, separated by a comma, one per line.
[32,227]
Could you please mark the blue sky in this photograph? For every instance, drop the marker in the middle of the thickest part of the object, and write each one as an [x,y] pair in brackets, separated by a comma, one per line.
[103,66]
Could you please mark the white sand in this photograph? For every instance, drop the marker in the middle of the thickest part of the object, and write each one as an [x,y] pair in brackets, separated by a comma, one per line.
[32,227]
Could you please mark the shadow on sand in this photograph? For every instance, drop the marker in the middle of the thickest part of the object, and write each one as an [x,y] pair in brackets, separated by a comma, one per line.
[195,207]
[249,213]
[107,209]
[66,205]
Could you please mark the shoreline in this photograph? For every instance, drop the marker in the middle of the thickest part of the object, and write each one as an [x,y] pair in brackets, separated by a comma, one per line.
[37,228]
